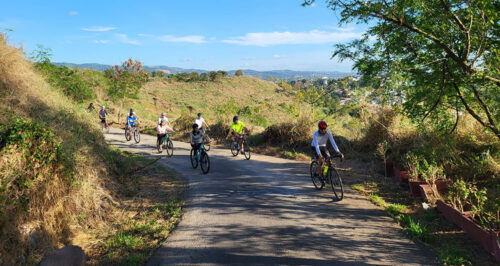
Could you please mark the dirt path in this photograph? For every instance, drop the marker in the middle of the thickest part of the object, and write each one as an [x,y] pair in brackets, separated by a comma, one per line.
[266,211]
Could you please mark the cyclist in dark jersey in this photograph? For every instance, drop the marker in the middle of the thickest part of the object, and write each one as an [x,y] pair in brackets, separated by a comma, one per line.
[102,115]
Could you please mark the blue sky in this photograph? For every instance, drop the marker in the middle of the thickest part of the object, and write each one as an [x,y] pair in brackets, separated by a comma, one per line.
[218,34]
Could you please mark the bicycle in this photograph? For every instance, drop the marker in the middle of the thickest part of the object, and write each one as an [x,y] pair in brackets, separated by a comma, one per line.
[167,145]
[104,126]
[200,157]
[136,133]
[330,176]
[235,147]
[207,147]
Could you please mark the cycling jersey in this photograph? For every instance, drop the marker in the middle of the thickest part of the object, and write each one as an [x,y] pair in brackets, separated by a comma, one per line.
[103,113]
[199,122]
[131,120]
[196,137]
[238,128]
[164,119]
[319,140]
[162,129]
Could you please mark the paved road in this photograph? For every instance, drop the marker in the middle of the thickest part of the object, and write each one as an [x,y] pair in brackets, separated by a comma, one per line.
[266,211]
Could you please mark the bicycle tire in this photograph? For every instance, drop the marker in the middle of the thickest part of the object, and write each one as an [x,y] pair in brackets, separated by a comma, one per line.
[336,184]
[315,178]
[246,152]
[170,148]
[193,159]
[127,136]
[204,162]
[137,136]
[234,148]
[207,145]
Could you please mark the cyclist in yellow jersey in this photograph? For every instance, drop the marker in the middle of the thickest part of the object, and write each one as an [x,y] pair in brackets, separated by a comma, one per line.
[237,129]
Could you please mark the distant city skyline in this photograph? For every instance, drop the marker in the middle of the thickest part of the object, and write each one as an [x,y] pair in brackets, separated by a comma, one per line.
[259,35]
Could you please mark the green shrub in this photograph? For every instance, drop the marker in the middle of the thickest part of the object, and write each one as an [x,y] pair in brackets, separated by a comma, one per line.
[70,81]
[20,179]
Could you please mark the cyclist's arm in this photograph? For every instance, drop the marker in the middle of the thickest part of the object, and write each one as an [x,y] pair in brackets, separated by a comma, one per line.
[191,139]
[315,144]
[332,141]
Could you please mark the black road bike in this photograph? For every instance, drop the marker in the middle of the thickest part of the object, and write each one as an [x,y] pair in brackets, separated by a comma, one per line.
[329,176]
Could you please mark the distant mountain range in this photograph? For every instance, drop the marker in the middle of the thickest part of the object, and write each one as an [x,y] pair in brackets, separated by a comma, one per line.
[280,74]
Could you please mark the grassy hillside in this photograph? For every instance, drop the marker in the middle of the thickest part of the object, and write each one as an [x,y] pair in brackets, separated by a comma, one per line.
[257,101]
[59,182]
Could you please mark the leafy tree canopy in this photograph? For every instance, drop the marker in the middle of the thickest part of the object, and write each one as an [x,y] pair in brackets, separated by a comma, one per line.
[441,55]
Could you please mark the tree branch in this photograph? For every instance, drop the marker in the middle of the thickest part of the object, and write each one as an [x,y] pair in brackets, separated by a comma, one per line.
[484,106]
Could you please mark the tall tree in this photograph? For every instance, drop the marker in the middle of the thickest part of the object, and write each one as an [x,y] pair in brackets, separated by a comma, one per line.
[440,54]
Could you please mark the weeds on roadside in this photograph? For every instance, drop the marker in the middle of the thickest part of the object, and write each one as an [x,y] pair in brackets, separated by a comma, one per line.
[452,255]
[358,188]
[394,209]
[377,200]
[414,229]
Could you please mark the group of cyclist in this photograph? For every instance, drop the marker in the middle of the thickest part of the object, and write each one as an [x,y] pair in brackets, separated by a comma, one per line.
[198,135]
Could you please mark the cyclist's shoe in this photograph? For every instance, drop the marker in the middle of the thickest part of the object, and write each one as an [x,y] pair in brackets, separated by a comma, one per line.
[161,148]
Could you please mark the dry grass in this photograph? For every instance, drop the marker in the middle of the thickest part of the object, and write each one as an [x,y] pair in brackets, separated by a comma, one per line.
[68,199]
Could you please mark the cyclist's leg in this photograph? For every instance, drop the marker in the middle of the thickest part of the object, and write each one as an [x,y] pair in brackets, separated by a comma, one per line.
[196,148]
[325,154]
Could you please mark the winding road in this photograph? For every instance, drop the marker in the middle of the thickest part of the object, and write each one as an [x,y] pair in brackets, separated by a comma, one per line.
[266,211]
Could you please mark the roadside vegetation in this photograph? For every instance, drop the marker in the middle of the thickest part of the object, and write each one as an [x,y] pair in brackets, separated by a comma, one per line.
[430,107]
[60,183]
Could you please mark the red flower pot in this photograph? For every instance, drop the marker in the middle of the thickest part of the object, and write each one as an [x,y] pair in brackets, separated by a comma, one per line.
[403,177]
[487,239]
[414,187]
[425,190]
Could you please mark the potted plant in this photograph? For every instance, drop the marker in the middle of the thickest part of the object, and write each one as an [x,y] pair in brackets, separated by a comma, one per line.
[478,224]
[414,181]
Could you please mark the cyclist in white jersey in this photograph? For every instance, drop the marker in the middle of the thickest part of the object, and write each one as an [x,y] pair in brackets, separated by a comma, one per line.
[318,145]
[200,121]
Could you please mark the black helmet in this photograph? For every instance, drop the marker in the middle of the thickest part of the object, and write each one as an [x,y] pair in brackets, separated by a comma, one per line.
[195,126]
[235,118]
[199,114]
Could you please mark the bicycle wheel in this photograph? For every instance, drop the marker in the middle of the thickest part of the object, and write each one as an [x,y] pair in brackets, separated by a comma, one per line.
[137,136]
[234,148]
[204,162]
[127,136]
[246,150]
[316,179]
[193,159]
[336,183]
[170,148]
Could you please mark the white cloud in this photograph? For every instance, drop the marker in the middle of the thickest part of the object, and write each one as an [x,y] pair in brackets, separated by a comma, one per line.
[98,28]
[278,38]
[277,56]
[172,38]
[125,39]
[100,41]
[73,13]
